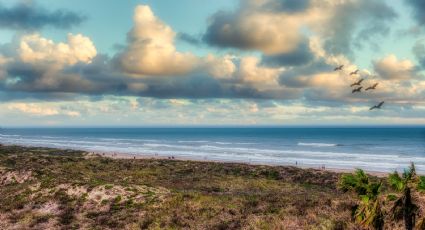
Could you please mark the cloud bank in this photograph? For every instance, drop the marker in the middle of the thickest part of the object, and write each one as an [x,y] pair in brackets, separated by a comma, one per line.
[293,48]
[30,16]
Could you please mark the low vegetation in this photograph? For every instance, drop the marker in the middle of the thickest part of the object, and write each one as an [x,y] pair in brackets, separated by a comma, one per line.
[64,189]
[403,197]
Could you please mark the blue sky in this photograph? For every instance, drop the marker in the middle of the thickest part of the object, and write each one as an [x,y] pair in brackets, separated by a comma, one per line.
[191,62]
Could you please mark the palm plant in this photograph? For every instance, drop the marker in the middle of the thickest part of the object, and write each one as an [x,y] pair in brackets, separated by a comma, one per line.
[368,212]
[357,182]
[403,207]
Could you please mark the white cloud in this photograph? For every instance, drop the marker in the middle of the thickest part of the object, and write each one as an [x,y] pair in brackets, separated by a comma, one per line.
[35,49]
[254,26]
[251,72]
[151,50]
[276,27]
[392,68]
[220,67]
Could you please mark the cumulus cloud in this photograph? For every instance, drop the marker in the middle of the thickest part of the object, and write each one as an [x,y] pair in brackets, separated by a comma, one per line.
[302,55]
[35,49]
[150,49]
[215,77]
[251,30]
[151,66]
[37,64]
[220,67]
[250,71]
[43,66]
[29,16]
[392,68]
[278,27]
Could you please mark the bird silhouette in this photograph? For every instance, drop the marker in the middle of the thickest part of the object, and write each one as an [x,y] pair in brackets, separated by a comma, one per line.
[339,68]
[377,106]
[358,90]
[372,87]
[354,72]
[357,83]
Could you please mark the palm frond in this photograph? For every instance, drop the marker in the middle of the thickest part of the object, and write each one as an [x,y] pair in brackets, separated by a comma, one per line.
[374,189]
[357,182]
[396,182]
[410,173]
[369,213]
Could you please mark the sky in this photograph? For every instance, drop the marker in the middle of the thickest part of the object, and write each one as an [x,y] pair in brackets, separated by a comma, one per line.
[140,63]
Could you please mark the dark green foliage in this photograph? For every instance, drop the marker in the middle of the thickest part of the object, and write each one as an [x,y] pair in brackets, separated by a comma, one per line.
[357,182]
[396,182]
[369,212]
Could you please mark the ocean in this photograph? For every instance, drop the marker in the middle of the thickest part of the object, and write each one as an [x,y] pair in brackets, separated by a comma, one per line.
[374,148]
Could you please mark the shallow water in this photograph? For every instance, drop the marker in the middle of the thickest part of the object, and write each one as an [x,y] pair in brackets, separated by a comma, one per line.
[375,149]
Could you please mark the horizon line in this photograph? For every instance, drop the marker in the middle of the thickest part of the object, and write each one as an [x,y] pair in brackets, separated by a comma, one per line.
[221,126]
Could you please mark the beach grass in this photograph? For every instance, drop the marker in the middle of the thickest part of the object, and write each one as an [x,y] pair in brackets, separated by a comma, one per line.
[49,188]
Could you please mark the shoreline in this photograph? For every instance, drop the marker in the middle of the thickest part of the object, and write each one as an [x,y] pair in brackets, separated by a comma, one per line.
[142,156]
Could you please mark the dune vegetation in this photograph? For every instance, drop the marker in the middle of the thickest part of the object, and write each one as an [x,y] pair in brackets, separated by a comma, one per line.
[44,188]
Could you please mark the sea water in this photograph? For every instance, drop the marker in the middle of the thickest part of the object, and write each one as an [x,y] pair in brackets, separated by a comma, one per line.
[382,149]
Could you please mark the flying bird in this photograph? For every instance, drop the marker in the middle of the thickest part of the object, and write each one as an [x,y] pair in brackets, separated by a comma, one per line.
[357,83]
[372,87]
[358,90]
[354,72]
[339,68]
[377,106]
